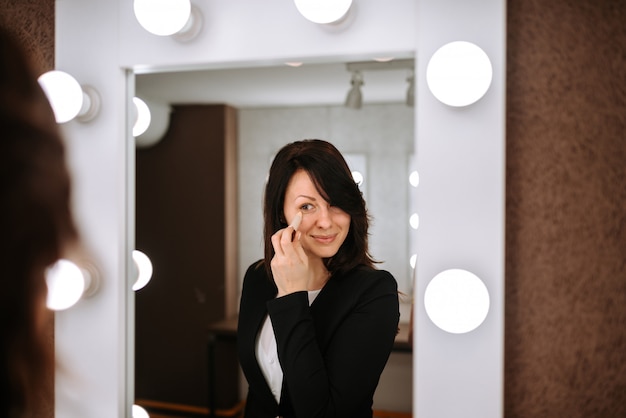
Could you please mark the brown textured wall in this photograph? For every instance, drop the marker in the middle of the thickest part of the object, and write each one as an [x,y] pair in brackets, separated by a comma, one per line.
[565,345]
[33,22]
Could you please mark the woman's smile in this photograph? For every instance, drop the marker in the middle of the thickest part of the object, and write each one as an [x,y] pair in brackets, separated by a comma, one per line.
[324,239]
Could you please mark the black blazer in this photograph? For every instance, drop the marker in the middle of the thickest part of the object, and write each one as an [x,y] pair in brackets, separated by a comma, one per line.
[332,353]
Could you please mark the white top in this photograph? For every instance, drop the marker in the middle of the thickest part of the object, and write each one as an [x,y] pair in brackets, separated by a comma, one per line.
[267,353]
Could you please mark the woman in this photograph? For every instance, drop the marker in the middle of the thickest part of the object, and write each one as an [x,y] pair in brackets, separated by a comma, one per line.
[317,321]
[36,224]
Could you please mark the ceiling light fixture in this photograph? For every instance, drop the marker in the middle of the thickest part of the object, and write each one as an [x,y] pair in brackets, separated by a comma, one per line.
[354,100]
[410,92]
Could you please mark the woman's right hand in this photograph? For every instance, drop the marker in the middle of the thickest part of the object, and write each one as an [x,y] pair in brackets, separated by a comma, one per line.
[290,264]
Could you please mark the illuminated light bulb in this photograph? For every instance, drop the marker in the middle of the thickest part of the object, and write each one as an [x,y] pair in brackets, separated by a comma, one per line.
[414,178]
[323,11]
[144,269]
[142,122]
[413,261]
[139,412]
[162,17]
[414,221]
[358,177]
[158,125]
[456,301]
[64,94]
[66,285]
[459,73]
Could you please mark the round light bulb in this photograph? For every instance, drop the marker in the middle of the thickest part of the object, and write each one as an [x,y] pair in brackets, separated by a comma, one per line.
[414,221]
[143,117]
[413,261]
[66,285]
[414,178]
[459,73]
[456,301]
[162,17]
[64,94]
[323,11]
[358,177]
[139,412]
[144,269]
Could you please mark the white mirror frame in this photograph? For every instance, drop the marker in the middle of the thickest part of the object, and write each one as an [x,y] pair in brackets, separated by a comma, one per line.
[460,201]
[100,42]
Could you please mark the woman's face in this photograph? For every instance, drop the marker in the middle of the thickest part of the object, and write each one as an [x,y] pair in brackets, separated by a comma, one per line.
[324,228]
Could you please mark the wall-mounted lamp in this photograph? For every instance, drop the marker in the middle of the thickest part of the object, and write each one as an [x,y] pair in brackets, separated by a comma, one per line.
[143,267]
[68,98]
[151,121]
[459,73]
[324,11]
[355,98]
[176,18]
[456,301]
[68,282]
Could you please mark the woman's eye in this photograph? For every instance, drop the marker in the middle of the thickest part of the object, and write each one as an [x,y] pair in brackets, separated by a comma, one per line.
[307,207]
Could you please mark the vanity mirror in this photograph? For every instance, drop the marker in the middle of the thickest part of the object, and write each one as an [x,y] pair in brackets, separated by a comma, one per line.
[460,158]
[199,213]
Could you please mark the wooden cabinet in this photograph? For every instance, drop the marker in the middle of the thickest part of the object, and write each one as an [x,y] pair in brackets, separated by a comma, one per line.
[186,213]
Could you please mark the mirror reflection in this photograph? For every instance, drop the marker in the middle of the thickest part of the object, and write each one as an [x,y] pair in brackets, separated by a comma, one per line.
[199,189]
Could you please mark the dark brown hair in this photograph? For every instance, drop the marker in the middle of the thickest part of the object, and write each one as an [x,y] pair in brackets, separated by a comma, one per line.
[36,223]
[333,180]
